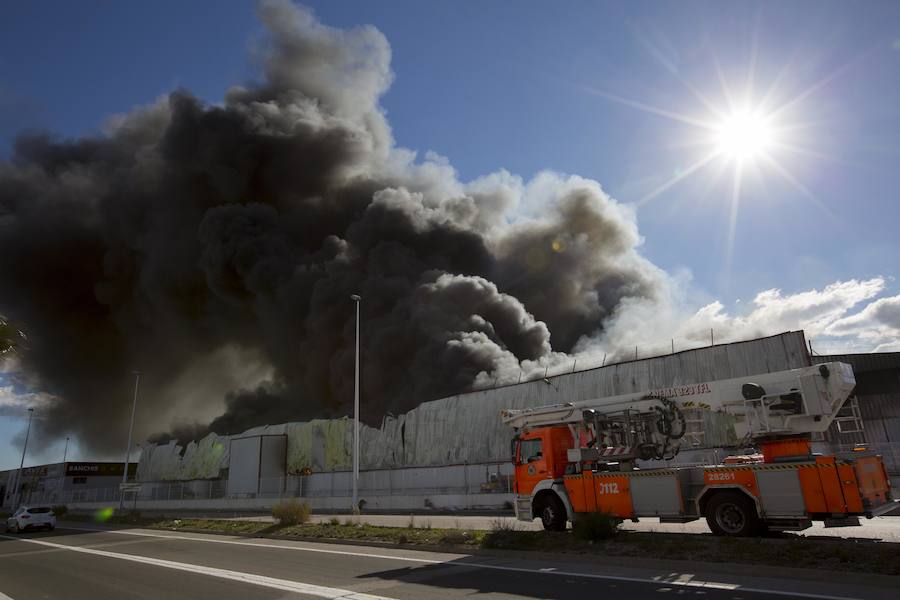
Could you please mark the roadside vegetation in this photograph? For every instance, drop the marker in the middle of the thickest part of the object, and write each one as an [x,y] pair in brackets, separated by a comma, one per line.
[598,537]
[107,516]
[593,527]
[291,512]
[214,526]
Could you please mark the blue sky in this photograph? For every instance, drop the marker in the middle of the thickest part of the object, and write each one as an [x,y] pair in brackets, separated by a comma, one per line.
[579,89]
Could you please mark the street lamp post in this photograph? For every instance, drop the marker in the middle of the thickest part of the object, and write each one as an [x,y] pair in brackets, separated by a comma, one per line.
[356,298]
[62,474]
[22,462]
[137,378]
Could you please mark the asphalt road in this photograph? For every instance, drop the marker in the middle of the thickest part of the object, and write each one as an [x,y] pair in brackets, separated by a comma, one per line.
[87,563]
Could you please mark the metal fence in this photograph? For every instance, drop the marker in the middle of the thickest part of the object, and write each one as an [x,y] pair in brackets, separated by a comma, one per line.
[460,480]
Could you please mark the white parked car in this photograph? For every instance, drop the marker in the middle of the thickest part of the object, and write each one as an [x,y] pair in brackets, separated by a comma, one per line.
[31,517]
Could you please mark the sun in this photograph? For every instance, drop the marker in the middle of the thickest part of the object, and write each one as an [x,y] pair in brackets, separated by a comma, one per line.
[743,135]
[748,132]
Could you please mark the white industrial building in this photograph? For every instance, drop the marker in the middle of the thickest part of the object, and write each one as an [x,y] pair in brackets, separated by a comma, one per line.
[59,483]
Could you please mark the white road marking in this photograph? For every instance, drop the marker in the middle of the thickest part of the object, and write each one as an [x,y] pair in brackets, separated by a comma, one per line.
[658,581]
[260,580]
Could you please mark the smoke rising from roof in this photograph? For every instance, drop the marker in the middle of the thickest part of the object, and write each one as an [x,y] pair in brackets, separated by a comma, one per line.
[222,243]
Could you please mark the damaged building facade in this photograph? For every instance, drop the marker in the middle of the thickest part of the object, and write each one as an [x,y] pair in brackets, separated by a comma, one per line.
[457,446]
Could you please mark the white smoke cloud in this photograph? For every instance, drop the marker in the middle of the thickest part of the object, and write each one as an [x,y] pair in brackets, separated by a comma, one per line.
[844,316]
[878,324]
[15,403]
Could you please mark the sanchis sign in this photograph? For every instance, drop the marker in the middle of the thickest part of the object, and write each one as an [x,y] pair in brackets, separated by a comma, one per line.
[98,469]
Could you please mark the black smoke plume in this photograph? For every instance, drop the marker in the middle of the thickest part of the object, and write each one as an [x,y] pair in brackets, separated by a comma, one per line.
[215,248]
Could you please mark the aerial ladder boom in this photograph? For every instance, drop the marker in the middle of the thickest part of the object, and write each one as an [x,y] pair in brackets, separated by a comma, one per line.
[763,408]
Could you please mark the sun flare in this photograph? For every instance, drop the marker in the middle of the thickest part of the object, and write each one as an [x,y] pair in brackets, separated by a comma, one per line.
[743,135]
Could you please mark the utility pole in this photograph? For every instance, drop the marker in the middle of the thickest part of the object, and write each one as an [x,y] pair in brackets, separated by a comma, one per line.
[356,298]
[137,378]
[62,475]
[22,462]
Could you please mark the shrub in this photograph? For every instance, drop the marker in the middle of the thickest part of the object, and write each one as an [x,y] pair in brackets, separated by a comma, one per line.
[499,524]
[592,527]
[334,521]
[291,512]
[60,510]
[503,534]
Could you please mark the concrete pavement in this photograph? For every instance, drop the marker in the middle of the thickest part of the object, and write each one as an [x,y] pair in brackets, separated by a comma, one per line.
[96,563]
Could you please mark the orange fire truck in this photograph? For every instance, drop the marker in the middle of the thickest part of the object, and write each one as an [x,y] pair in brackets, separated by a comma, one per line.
[583,457]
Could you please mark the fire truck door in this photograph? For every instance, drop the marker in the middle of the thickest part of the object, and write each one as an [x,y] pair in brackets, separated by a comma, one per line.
[531,464]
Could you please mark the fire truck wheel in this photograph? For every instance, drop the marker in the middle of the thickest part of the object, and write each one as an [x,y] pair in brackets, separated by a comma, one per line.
[732,514]
[553,514]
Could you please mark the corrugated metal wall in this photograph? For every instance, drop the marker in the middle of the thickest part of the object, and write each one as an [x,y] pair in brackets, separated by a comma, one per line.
[466,428]
[864,363]
[878,393]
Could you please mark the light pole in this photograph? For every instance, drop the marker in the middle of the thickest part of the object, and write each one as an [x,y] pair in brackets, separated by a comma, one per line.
[356,298]
[137,378]
[62,476]
[22,462]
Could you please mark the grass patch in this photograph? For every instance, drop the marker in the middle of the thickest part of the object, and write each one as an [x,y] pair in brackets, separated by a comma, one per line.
[108,516]
[213,525]
[396,535]
[333,529]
